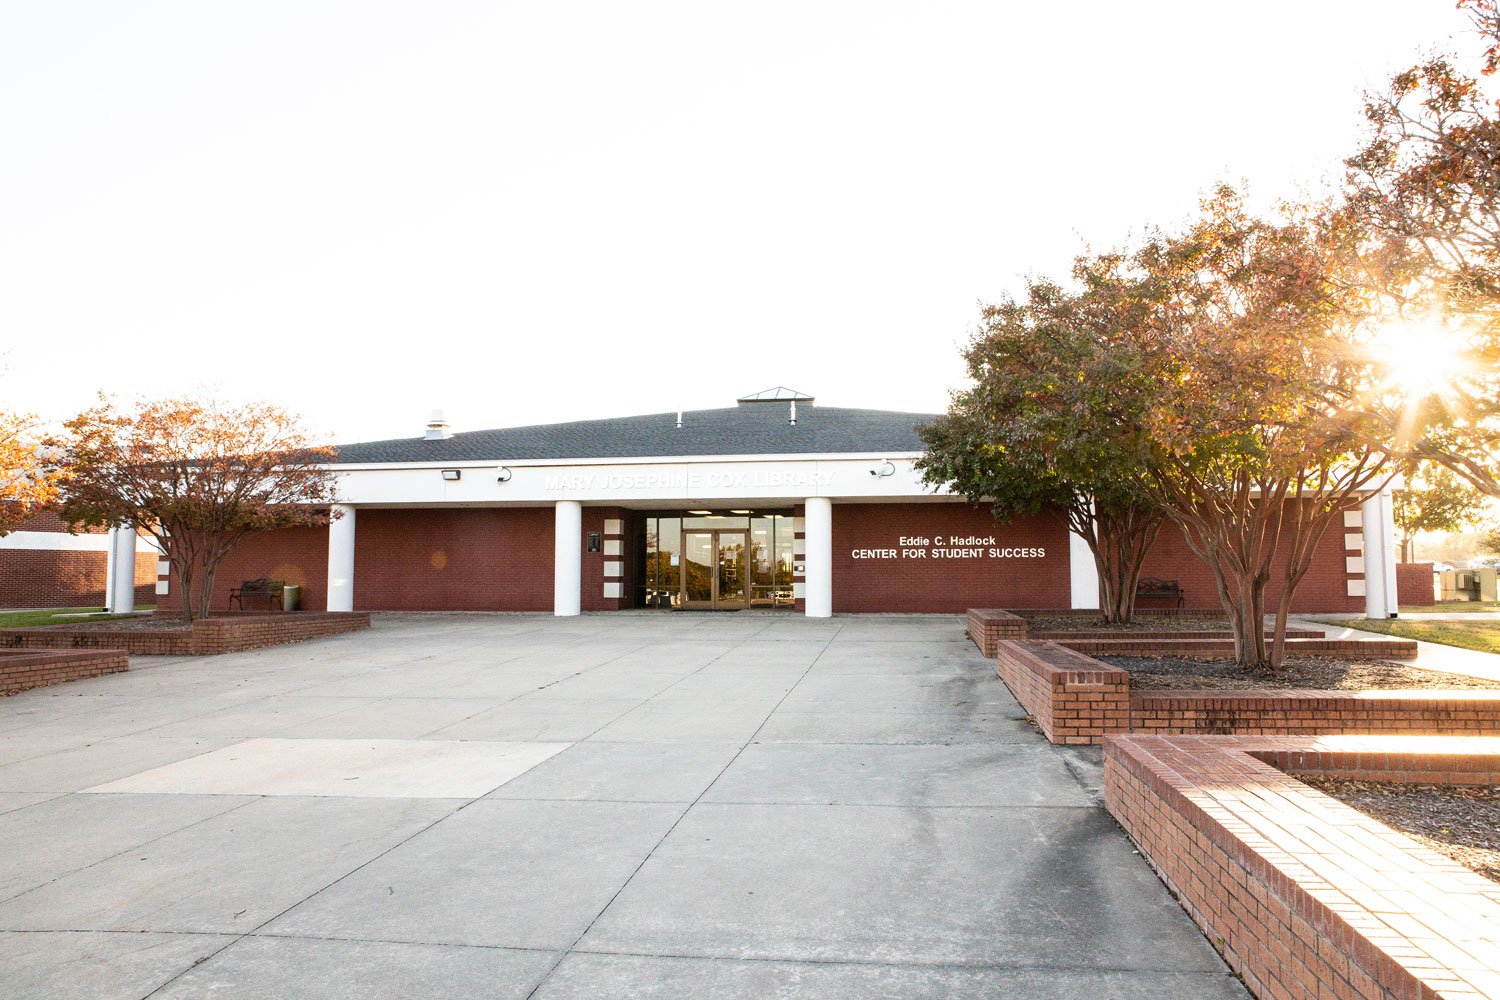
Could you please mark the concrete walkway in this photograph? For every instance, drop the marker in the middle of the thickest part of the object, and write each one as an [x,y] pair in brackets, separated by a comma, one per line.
[656,805]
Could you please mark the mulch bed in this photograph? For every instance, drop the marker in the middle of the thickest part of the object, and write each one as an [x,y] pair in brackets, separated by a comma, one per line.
[1459,822]
[1303,672]
[1145,623]
[141,624]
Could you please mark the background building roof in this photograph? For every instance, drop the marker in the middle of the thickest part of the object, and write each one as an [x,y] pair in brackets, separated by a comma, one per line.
[737,430]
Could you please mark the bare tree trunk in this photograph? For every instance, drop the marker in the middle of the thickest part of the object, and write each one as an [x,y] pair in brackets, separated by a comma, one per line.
[1118,538]
[206,592]
[185,582]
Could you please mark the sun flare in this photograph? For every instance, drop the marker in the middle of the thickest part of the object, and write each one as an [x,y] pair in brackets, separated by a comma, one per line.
[1422,360]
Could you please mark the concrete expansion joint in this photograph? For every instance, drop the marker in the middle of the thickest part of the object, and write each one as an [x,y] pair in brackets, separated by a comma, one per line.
[689,808]
[129,850]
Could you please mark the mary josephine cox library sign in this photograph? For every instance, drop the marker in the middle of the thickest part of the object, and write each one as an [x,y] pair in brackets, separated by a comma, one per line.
[940,547]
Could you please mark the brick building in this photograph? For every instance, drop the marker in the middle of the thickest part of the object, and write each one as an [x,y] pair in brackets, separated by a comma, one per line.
[774,503]
[43,565]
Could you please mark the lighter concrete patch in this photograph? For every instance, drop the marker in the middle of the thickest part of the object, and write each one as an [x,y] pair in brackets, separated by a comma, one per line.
[413,769]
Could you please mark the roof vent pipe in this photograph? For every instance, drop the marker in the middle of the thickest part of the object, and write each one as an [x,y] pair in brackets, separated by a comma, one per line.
[679,419]
[437,428]
[793,418]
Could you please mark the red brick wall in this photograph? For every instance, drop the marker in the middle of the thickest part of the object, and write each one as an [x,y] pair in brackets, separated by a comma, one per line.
[472,559]
[46,520]
[1302,895]
[1324,588]
[227,633]
[593,598]
[1076,699]
[1414,583]
[293,555]
[23,671]
[989,626]
[49,578]
[945,585]
[500,559]
[1071,698]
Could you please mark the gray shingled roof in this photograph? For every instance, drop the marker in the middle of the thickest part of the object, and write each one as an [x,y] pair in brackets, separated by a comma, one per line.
[751,429]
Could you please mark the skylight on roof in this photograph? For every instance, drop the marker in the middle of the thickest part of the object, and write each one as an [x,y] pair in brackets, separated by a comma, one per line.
[778,394]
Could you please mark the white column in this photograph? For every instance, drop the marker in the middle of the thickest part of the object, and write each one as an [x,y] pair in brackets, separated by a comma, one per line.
[817,528]
[341,559]
[121,597]
[109,570]
[1083,573]
[1378,516]
[567,569]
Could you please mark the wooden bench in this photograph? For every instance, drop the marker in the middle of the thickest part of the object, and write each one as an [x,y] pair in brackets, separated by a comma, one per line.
[269,589]
[1150,586]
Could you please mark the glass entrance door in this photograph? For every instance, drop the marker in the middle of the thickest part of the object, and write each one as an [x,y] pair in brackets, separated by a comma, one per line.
[732,588]
[698,569]
[714,570]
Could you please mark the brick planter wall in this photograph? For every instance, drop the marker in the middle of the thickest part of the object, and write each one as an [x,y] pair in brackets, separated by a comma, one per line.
[1337,649]
[22,671]
[231,634]
[211,636]
[988,626]
[1302,895]
[1155,636]
[1315,712]
[1071,697]
[1076,699]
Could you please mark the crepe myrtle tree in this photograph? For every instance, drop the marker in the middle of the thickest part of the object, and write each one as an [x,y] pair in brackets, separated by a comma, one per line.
[29,473]
[1037,429]
[1270,417]
[1424,186]
[198,475]
[1434,499]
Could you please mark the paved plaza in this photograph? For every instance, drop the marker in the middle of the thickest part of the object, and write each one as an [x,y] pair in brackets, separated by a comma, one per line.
[632,805]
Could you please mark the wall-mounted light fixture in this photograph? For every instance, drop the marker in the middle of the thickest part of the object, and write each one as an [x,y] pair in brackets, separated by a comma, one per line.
[886,468]
[452,475]
[700,513]
[503,475]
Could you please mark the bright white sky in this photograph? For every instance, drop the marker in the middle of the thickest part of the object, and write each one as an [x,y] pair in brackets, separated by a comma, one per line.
[527,212]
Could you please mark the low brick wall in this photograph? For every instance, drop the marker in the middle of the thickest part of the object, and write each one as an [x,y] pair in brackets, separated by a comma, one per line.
[236,632]
[1338,649]
[1423,760]
[1315,713]
[24,670]
[208,636]
[139,643]
[1071,697]
[1076,699]
[1302,895]
[1164,635]
[1085,613]
[988,626]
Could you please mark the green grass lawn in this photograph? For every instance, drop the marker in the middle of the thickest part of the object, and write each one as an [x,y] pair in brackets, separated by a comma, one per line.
[49,616]
[1483,636]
